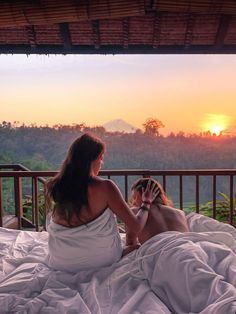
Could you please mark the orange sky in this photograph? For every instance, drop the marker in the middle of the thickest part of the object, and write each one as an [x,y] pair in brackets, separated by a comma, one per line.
[187,93]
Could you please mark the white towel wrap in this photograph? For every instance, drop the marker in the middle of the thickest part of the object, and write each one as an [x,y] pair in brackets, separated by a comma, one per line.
[95,244]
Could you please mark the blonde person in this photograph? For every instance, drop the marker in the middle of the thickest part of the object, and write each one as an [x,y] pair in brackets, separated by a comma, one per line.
[161,215]
[82,228]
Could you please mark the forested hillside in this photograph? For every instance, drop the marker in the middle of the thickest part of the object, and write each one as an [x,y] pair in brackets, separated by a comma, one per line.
[43,148]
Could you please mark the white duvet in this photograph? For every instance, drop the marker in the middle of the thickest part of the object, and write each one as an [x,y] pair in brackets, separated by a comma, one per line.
[193,272]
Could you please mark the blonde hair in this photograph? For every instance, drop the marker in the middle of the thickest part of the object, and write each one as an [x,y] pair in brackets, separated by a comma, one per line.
[161,197]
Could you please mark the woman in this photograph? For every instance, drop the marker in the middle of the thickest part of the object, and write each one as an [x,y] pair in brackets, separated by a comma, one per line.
[82,229]
[162,216]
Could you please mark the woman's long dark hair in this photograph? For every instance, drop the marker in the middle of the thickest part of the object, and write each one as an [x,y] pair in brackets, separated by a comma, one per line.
[68,189]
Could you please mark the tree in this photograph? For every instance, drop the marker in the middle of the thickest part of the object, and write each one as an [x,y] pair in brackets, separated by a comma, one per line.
[152,126]
[98,130]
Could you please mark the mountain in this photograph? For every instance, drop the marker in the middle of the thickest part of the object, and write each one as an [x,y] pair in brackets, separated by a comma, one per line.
[119,125]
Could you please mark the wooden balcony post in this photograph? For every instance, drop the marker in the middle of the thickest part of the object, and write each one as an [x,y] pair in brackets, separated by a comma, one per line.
[47,204]
[231,195]
[35,202]
[126,188]
[164,182]
[1,204]
[181,192]
[214,197]
[18,200]
[197,194]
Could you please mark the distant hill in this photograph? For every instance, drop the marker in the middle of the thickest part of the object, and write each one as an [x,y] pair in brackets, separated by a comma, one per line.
[119,125]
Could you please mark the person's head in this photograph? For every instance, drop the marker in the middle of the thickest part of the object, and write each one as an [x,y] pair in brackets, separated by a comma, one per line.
[68,188]
[85,155]
[141,184]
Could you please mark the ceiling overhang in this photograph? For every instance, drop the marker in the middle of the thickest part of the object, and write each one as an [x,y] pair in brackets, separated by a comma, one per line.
[114,27]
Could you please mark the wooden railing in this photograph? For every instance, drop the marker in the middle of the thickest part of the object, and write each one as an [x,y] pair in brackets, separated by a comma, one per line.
[17,172]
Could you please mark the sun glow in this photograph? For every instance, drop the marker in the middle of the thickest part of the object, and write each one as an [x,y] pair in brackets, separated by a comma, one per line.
[216,130]
[215,123]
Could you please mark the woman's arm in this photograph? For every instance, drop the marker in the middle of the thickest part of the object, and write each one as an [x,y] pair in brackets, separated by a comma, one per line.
[130,237]
[131,240]
[129,248]
[117,204]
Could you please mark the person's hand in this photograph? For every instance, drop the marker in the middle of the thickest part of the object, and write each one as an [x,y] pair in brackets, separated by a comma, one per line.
[129,248]
[150,193]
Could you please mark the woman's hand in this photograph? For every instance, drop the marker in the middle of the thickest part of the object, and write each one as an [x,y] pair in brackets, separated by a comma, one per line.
[150,193]
[129,248]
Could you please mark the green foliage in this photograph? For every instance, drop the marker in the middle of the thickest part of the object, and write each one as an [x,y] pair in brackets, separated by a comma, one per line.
[27,207]
[222,208]
[37,162]
[8,196]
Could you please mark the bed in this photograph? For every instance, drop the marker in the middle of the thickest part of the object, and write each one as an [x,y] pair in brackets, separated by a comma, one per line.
[171,273]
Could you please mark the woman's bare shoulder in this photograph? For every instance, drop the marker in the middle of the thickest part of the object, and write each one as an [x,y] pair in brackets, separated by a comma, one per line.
[105,182]
[98,183]
[94,181]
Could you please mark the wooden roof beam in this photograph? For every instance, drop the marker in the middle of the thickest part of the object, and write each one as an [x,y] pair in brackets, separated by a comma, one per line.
[31,36]
[96,34]
[65,35]
[189,31]
[156,31]
[16,13]
[195,6]
[117,49]
[125,23]
[222,30]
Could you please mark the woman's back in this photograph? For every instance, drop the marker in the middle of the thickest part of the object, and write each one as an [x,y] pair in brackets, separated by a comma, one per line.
[97,203]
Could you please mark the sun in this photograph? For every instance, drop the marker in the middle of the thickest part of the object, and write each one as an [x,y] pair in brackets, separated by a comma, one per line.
[216,130]
[215,123]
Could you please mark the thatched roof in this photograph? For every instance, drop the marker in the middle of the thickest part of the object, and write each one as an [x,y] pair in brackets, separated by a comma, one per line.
[117,26]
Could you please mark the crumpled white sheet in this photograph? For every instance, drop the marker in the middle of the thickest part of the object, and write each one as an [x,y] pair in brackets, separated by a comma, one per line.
[28,285]
[190,272]
[161,277]
[200,223]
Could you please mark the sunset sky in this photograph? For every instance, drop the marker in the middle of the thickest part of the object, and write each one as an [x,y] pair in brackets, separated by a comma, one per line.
[190,93]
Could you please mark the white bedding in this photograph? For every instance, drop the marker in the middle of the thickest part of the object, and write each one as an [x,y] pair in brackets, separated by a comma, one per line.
[178,273]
